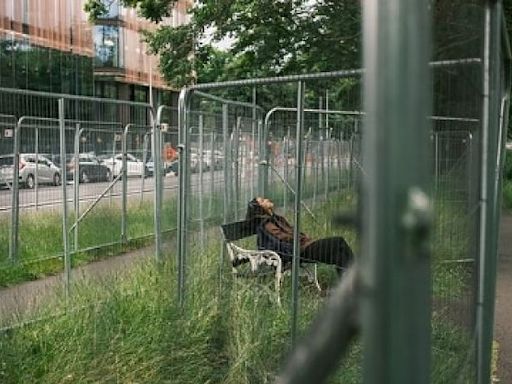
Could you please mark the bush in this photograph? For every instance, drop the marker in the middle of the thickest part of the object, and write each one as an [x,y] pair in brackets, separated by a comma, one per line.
[507,169]
[507,194]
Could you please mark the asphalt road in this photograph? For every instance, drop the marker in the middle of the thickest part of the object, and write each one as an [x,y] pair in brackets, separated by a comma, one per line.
[49,196]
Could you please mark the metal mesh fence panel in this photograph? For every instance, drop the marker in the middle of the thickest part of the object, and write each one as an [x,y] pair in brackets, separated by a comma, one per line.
[73,150]
[257,149]
[456,141]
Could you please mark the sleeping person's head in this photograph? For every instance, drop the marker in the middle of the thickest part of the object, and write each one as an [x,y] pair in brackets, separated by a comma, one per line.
[259,207]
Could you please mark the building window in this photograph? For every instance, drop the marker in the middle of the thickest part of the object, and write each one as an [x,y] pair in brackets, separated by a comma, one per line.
[106,46]
[112,7]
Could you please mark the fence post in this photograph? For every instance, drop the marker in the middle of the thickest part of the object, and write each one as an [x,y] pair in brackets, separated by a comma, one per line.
[285,159]
[65,240]
[489,217]
[183,191]
[227,160]
[76,182]
[297,209]
[236,165]
[395,278]
[124,192]
[212,172]
[15,211]
[201,180]
[157,176]
[253,133]
[36,186]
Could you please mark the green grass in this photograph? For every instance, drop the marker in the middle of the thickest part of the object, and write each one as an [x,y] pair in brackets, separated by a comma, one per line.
[130,329]
[507,194]
[40,242]
[40,232]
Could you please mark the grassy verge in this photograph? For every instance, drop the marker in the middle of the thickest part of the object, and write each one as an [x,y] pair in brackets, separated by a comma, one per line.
[129,328]
[40,243]
[99,235]
[507,194]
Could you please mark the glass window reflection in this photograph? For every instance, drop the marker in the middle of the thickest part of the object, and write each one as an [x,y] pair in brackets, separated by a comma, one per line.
[106,46]
[112,7]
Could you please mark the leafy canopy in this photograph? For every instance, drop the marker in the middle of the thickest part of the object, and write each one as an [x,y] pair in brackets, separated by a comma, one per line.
[266,37]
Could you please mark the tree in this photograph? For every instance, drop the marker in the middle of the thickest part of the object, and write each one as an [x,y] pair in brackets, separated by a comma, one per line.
[268,37]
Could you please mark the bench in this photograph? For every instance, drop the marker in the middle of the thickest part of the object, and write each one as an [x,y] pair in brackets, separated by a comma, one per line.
[238,255]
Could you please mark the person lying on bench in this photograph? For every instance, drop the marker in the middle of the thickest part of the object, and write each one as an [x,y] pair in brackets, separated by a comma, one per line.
[276,234]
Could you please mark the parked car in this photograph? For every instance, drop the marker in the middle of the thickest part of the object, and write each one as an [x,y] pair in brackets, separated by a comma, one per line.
[196,159]
[218,158]
[32,168]
[90,168]
[134,166]
[173,168]
[167,167]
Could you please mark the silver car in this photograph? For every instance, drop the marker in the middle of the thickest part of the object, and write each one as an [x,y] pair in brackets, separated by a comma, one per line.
[32,168]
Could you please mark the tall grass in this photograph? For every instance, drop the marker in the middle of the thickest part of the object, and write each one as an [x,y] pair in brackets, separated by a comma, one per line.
[129,328]
[41,246]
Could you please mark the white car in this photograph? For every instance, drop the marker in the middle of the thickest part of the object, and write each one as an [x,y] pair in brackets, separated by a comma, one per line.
[218,158]
[32,168]
[196,159]
[134,166]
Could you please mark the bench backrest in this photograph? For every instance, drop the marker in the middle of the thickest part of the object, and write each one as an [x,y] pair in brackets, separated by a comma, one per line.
[239,229]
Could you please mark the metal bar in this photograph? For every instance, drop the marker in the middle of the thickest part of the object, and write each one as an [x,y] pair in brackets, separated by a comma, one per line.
[26,92]
[395,278]
[286,151]
[184,180]
[253,133]
[157,175]
[144,161]
[36,186]
[15,212]
[201,181]
[227,101]
[212,173]
[262,150]
[297,210]
[65,240]
[236,164]
[76,181]
[225,139]
[316,76]
[488,215]
[124,173]
[96,201]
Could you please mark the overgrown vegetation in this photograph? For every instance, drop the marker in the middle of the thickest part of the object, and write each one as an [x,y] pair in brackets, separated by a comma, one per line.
[130,328]
[507,181]
[41,245]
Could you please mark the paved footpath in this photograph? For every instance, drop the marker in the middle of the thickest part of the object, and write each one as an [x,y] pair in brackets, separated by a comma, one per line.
[24,298]
[503,316]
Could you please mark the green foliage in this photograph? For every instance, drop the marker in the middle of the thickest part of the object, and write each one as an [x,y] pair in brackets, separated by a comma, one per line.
[267,37]
[507,194]
[154,10]
[507,169]
[507,181]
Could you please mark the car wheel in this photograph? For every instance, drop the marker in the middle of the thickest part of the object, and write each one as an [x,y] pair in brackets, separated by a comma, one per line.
[56,179]
[84,178]
[30,182]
